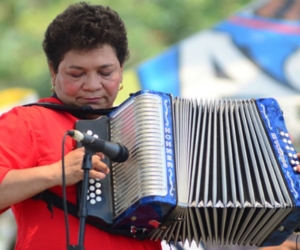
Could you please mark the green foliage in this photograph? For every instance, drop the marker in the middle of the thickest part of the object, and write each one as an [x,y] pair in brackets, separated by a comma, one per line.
[152,25]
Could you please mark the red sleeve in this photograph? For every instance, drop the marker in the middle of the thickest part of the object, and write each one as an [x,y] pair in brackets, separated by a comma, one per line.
[17,145]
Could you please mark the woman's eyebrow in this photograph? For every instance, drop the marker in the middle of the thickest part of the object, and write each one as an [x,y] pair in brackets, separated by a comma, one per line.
[100,67]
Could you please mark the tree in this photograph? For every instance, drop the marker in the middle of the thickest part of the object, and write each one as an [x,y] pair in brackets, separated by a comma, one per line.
[152,26]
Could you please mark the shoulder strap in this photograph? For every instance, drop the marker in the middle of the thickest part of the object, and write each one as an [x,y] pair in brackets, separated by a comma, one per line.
[86,110]
[55,200]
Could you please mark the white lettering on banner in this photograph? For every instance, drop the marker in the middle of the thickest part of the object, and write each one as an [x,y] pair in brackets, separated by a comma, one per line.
[291,69]
[199,55]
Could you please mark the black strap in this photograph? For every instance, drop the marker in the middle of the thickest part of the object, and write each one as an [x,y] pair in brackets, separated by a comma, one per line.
[52,199]
[84,110]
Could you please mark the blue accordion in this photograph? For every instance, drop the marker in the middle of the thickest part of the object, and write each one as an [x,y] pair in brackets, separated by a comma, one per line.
[218,172]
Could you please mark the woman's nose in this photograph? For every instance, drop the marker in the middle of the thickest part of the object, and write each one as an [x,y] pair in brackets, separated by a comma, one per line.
[92,83]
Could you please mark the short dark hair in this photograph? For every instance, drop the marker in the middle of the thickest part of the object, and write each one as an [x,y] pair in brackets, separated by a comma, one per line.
[85,27]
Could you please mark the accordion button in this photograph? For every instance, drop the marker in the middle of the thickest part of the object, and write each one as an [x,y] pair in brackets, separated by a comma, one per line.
[92,201]
[98,199]
[98,191]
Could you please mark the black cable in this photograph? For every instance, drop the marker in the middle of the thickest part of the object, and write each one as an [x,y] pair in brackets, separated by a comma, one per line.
[65,191]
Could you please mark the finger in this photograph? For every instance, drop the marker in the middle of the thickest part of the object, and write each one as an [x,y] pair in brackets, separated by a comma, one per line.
[297,168]
[99,165]
[97,158]
[102,167]
[101,155]
[97,175]
[80,149]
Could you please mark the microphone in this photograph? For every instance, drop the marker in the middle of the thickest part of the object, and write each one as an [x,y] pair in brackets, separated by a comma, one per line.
[114,151]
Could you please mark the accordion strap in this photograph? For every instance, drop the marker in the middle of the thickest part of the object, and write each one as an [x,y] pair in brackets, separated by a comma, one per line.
[85,110]
[57,201]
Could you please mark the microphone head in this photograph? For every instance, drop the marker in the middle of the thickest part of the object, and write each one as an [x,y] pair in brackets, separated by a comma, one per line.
[115,151]
[122,155]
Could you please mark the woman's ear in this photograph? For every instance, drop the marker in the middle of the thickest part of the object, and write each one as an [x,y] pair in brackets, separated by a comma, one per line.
[122,74]
[50,66]
[52,73]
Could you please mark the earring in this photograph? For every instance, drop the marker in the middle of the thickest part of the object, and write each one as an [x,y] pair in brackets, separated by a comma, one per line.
[121,86]
[52,89]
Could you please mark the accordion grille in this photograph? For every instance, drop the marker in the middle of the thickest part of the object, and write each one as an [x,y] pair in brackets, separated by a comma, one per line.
[138,125]
[236,193]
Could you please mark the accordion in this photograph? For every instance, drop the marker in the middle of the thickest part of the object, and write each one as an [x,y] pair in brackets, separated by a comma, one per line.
[218,172]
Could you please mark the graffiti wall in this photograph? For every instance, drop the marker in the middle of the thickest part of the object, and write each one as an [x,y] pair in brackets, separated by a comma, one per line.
[253,53]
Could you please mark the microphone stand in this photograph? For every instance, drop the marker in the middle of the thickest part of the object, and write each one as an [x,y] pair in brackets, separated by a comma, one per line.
[86,166]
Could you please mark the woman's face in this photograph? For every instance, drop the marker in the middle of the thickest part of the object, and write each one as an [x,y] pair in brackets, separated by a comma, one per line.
[88,78]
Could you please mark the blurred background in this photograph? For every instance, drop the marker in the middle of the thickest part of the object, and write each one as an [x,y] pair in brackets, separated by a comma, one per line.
[207,49]
[152,27]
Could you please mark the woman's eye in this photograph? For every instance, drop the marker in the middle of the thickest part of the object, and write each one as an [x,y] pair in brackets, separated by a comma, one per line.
[105,73]
[76,75]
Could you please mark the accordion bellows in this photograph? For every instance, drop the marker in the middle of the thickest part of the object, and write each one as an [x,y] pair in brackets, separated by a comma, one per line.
[218,172]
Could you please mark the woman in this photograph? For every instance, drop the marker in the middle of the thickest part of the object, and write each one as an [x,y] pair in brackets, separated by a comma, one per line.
[86,47]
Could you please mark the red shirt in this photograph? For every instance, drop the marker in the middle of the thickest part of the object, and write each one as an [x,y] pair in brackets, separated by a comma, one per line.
[32,136]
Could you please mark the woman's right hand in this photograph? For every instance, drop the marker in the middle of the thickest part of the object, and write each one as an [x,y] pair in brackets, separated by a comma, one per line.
[21,184]
[73,167]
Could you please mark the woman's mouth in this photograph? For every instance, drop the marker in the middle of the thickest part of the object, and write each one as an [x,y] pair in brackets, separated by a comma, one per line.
[92,100]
